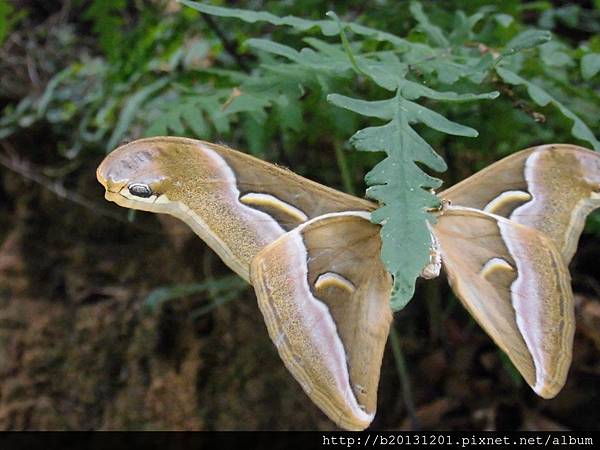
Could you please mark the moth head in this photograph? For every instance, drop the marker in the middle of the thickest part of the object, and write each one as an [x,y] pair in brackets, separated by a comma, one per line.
[134,176]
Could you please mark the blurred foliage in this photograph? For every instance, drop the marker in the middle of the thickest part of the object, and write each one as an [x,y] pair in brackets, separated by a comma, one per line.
[421,76]
[9,17]
[222,290]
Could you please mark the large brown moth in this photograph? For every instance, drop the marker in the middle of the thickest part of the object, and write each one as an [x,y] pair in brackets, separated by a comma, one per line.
[505,238]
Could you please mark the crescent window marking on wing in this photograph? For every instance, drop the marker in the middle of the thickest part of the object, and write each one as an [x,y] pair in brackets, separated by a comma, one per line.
[260,199]
[270,228]
[332,279]
[493,265]
[505,198]
[531,163]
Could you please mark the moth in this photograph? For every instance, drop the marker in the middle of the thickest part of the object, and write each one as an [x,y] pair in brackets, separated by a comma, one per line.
[504,237]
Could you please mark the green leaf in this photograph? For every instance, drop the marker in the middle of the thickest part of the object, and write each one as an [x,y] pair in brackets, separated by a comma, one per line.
[306,58]
[219,286]
[399,184]
[327,27]
[590,65]
[580,130]
[131,109]
[387,74]
[504,19]
[248,102]
[51,87]
[510,369]
[382,109]
[412,91]
[569,15]
[193,117]
[418,113]
[157,128]
[107,24]
[402,190]
[289,113]
[526,40]
[433,31]
[275,48]
[554,54]
[5,10]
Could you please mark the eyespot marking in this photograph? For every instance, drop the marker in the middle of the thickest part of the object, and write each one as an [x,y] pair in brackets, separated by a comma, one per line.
[494,265]
[259,199]
[332,279]
[506,198]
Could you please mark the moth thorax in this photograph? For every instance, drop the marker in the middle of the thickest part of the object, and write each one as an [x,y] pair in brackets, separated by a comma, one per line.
[432,270]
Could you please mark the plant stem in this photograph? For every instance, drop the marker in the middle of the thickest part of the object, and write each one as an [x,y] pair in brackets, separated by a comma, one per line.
[434,308]
[342,163]
[404,378]
[227,44]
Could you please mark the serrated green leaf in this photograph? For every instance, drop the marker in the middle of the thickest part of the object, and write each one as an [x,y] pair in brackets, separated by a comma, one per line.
[274,47]
[448,72]
[379,71]
[401,187]
[248,102]
[377,139]
[327,27]
[590,65]
[157,128]
[382,109]
[554,54]
[51,87]
[175,124]
[163,294]
[418,113]
[580,130]
[504,19]
[108,22]
[5,10]
[569,14]
[333,50]
[212,105]
[306,57]
[194,119]
[131,109]
[433,31]
[289,113]
[412,91]
[256,135]
[526,40]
